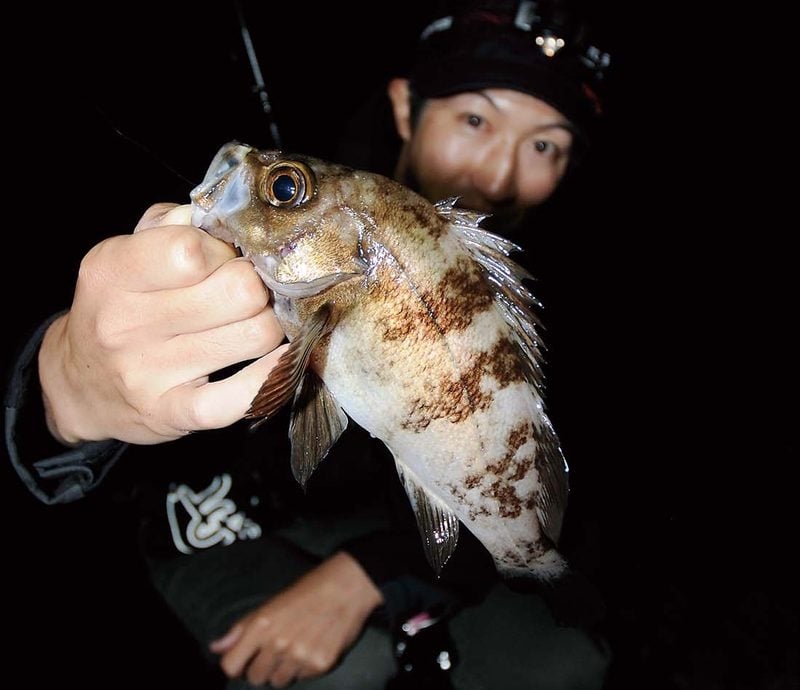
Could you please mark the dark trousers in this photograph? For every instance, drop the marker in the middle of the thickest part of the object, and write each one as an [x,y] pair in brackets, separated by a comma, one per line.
[509,641]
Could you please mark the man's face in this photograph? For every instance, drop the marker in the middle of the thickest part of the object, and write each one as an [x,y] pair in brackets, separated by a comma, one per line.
[501,151]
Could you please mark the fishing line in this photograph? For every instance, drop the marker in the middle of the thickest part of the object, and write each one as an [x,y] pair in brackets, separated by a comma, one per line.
[259,87]
[139,145]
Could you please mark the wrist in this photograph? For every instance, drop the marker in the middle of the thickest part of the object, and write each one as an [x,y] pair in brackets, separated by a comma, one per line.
[58,398]
[357,583]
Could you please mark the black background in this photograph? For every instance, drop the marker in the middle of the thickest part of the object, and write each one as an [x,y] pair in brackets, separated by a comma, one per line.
[670,362]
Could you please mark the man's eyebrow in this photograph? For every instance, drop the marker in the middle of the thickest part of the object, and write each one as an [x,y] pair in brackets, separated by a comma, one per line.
[488,98]
[566,125]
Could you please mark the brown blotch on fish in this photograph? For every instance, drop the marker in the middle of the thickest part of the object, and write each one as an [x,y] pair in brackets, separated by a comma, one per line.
[507,467]
[509,502]
[460,295]
[450,401]
[472,480]
[503,363]
[457,399]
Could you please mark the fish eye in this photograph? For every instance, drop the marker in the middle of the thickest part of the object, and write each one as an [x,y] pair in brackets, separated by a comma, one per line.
[287,184]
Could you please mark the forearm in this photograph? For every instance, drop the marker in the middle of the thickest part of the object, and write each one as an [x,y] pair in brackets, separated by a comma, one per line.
[52,472]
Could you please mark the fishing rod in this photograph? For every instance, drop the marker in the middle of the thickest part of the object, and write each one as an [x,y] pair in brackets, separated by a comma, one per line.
[259,87]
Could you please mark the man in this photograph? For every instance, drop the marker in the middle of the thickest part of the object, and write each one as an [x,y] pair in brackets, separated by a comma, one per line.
[284,587]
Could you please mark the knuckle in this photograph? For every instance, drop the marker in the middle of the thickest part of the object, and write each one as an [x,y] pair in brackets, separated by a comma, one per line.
[107,334]
[281,644]
[244,288]
[319,663]
[199,415]
[130,382]
[185,252]
[110,328]
[92,271]
[261,621]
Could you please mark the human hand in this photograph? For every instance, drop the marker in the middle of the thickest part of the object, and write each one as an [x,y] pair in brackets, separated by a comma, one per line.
[154,313]
[304,630]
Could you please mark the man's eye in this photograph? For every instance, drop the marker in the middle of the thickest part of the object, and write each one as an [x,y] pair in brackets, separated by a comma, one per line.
[544,146]
[474,120]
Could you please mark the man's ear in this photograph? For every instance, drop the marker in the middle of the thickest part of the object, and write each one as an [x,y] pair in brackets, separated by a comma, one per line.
[400,96]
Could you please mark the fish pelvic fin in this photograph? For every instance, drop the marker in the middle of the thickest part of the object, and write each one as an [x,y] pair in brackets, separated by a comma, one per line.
[288,373]
[317,421]
[438,525]
[505,276]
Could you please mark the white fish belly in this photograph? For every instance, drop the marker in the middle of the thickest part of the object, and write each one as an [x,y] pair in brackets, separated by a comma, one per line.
[480,461]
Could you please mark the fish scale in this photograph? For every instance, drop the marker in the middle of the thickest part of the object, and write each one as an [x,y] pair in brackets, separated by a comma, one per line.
[411,320]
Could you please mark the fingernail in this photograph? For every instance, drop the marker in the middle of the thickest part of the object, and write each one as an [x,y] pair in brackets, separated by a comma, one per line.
[180,215]
[222,643]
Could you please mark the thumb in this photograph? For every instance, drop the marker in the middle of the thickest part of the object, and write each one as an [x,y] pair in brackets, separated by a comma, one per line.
[164,214]
[224,643]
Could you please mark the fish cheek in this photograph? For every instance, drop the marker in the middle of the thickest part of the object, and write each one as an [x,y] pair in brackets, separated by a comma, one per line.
[327,247]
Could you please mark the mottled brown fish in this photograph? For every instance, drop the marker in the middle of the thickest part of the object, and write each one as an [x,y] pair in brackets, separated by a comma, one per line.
[410,319]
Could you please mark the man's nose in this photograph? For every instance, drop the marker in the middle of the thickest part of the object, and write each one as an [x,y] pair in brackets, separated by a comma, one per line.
[495,176]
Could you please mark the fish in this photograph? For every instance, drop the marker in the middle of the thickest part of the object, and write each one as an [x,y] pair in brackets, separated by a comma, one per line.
[408,318]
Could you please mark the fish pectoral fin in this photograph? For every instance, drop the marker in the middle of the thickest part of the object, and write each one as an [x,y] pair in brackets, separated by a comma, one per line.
[287,374]
[316,424]
[438,525]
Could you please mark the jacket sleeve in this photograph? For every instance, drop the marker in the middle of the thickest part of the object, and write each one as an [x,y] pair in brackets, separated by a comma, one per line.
[52,472]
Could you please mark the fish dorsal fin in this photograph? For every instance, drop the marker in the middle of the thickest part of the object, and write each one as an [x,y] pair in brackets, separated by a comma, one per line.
[437,524]
[316,424]
[505,276]
[287,374]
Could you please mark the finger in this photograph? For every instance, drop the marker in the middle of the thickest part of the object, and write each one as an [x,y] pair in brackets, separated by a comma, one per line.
[221,403]
[224,643]
[248,647]
[187,358]
[165,214]
[285,671]
[234,292]
[157,258]
[262,668]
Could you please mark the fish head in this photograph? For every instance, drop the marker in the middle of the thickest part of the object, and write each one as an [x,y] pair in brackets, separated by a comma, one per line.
[293,216]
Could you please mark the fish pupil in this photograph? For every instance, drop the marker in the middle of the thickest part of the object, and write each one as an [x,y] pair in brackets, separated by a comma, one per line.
[284,188]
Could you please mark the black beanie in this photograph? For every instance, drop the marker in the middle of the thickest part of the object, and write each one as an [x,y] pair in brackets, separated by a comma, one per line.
[527,46]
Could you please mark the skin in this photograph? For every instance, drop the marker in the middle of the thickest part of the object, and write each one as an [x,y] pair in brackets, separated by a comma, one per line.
[501,151]
[301,632]
[157,311]
[154,313]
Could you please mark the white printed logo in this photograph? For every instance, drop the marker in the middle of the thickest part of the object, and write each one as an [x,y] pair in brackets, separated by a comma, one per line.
[213,518]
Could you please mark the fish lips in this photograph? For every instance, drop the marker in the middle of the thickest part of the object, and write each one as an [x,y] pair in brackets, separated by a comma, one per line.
[209,222]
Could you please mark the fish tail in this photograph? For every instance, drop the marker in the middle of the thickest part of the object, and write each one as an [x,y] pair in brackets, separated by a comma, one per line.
[548,567]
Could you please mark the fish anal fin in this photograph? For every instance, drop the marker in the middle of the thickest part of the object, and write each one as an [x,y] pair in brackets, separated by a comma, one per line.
[316,423]
[438,525]
[551,500]
[287,374]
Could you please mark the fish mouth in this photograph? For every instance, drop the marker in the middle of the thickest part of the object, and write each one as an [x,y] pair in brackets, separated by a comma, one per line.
[209,222]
